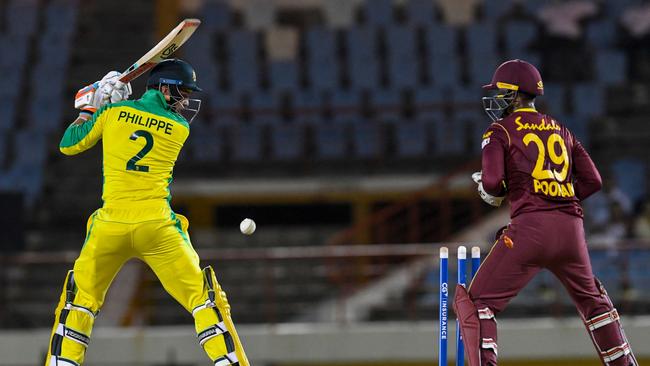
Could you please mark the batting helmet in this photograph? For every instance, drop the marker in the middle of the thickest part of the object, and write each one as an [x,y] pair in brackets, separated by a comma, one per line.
[174,72]
[517,75]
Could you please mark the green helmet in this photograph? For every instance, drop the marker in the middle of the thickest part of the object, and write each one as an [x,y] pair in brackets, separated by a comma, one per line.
[173,72]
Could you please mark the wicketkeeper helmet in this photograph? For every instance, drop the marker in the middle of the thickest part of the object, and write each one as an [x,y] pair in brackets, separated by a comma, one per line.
[517,75]
[510,78]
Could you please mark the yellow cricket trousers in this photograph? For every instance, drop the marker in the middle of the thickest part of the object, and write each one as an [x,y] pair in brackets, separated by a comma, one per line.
[159,237]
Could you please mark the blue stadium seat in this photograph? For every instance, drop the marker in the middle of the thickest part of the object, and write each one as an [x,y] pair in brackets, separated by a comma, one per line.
[308,106]
[3,147]
[443,59]
[468,111]
[475,126]
[48,80]
[265,108]
[46,113]
[224,107]
[322,61]
[22,17]
[284,75]
[331,141]
[449,137]
[387,103]
[54,51]
[206,142]
[429,102]
[441,39]
[379,12]
[242,60]
[481,40]
[346,105]
[402,56]
[412,139]
[200,53]
[7,114]
[482,55]
[444,70]
[534,6]
[588,100]
[629,173]
[614,9]
[246,143]
[553,101]
[29,179]
[639,272]
[421,12]
[61,18]
[30,147]
[287,142]
[362,57]
[18,55]
[466,97]
[200,47]
[216,15]
[606,269]
[602,34]
[493,10]
[611,67]
[11,77]
[519,35]
[368,142]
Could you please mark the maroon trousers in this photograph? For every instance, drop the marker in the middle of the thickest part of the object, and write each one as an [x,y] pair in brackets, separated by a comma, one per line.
[531,242]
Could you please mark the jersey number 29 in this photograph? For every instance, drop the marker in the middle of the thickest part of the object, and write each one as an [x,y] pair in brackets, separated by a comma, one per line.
[562,158]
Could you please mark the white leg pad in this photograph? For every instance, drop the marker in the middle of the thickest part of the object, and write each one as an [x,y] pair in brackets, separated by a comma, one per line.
[229,359]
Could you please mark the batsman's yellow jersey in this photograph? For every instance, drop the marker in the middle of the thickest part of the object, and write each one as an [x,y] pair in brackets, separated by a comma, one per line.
[141,142]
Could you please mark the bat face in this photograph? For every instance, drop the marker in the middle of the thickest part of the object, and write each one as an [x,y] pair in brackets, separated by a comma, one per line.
[163,50]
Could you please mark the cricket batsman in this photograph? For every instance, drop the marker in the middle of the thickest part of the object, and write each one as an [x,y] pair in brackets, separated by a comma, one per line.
[141,140]
[544,172]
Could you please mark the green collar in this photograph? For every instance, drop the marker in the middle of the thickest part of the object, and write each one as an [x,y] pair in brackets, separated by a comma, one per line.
[155,97]
[153,101]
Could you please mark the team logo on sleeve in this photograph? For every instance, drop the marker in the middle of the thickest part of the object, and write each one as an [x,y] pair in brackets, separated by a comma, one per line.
[485,142]
[486,139]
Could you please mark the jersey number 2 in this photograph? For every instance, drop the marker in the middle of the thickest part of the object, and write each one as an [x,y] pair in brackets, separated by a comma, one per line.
[131,164]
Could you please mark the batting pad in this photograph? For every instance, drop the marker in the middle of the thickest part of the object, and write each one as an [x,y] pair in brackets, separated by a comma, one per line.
[214,326]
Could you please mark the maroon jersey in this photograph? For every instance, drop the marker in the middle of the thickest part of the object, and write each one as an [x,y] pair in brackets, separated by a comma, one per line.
[538,163]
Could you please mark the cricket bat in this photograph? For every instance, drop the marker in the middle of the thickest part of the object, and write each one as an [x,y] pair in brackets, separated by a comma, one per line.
[163,50]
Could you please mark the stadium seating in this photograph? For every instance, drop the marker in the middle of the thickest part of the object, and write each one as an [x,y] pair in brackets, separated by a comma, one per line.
[378,12]
[361,43]
[288,142]
[362,77]
[322,58]
[412,139]
[331,141]
[402,57]
[367,83]
[367,141]
[421,12]
[242,61]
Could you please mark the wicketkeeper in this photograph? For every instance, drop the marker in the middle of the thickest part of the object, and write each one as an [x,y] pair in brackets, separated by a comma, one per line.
[544,172]
[141,140]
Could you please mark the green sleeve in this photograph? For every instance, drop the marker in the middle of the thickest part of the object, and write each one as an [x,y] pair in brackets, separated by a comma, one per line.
[81,137]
